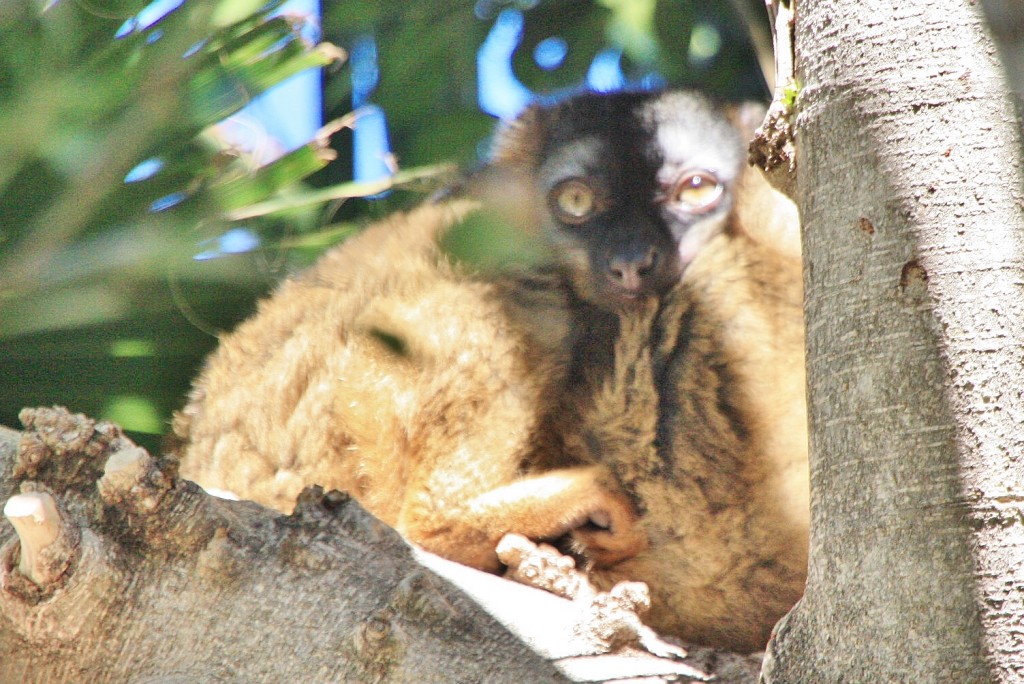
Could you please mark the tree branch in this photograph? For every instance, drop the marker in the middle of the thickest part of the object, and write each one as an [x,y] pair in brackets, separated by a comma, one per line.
[772,148]
[113,569]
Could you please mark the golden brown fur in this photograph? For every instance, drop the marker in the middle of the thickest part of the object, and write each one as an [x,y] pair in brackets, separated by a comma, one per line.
[720,479]
[433,438]
[459,406]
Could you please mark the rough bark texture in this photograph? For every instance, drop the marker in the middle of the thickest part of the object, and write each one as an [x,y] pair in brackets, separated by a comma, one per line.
[165,583]
[910,191]
[140,576]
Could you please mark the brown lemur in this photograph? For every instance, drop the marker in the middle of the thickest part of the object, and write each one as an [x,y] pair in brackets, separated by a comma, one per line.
[640,392]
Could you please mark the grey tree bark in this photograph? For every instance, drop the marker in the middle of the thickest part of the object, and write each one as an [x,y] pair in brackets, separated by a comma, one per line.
[910,193]
[112,569]
[121,572]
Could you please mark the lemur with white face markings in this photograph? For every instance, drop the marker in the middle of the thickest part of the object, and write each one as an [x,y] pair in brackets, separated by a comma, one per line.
[637,395]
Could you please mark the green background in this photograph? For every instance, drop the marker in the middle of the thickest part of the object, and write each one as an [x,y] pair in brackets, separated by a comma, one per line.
[102,308]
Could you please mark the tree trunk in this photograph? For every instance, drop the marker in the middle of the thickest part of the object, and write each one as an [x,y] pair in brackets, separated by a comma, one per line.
[909,188]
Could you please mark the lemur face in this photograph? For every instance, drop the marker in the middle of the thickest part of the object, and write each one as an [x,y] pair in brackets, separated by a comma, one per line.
[630,186]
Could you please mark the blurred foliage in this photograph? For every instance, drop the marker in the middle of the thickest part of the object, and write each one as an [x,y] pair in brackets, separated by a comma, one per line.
[103,307]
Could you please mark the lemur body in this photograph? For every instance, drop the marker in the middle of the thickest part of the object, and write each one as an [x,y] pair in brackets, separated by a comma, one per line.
[656,421]
[722,492]
[438,438]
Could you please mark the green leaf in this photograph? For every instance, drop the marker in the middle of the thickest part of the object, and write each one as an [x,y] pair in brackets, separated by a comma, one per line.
[228,13]
[342,191]
[487,240]
[239,70]
[239,191]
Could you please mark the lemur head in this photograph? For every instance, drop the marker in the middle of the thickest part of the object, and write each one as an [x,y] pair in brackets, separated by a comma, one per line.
[628,186]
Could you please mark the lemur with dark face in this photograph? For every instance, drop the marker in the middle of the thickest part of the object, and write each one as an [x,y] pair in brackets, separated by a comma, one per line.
[622,395]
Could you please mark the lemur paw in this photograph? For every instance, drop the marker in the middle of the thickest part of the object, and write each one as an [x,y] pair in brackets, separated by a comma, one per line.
[612,533]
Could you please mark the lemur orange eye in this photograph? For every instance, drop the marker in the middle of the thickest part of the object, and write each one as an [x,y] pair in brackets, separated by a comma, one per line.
[573,200]
[697,192]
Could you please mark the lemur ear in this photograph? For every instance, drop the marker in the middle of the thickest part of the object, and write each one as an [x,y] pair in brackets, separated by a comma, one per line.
[518,142]
[515,153]
[746,117]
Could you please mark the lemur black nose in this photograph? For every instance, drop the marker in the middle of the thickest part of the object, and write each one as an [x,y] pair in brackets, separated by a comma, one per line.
[630,271]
